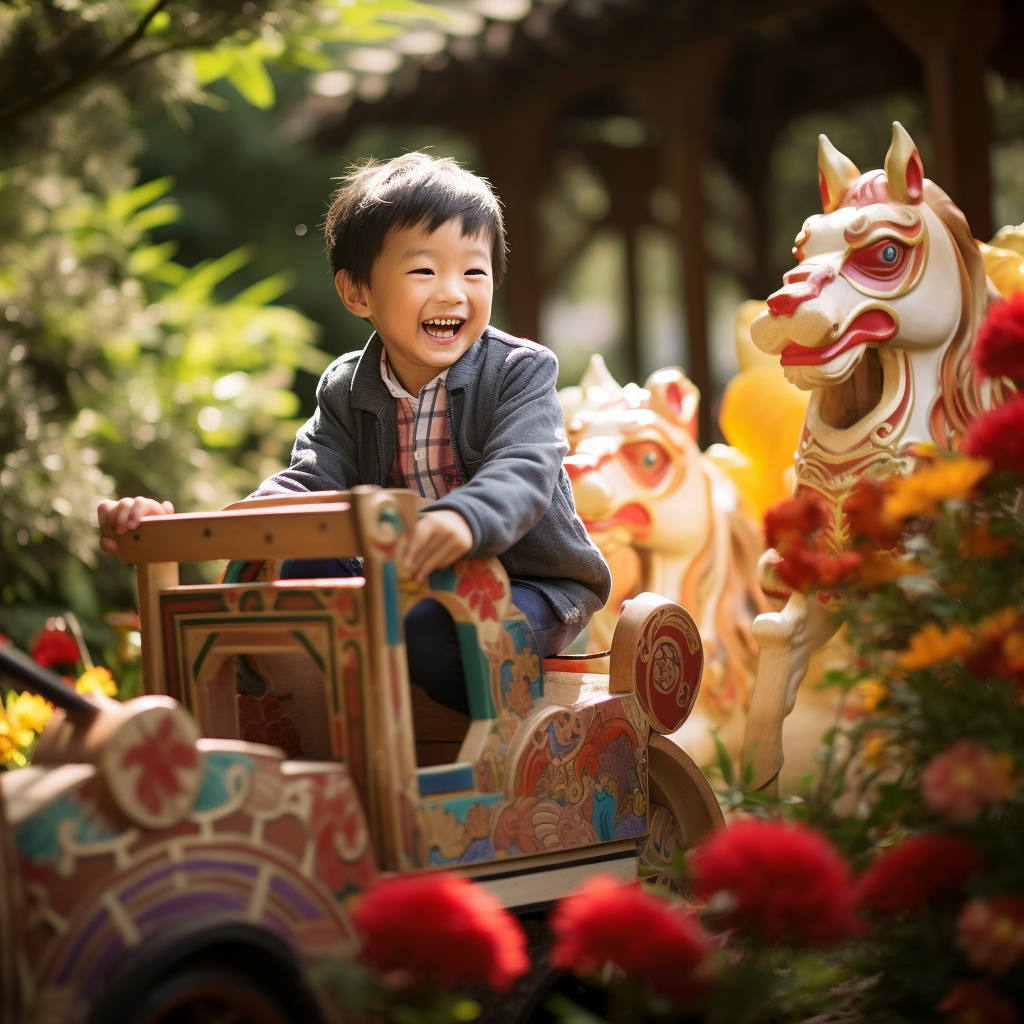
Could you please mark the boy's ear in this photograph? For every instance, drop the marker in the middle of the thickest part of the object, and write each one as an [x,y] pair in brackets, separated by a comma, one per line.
[352,294]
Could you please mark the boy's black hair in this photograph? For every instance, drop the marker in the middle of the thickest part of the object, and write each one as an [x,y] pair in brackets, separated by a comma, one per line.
[411,189]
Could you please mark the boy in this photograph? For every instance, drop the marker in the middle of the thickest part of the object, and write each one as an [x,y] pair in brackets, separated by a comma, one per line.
[441,403]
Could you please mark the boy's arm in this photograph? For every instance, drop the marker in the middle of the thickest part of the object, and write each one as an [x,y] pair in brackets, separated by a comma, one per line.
[522,457]
[324,453]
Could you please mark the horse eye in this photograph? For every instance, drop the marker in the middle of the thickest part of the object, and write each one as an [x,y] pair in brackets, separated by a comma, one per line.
[890,253]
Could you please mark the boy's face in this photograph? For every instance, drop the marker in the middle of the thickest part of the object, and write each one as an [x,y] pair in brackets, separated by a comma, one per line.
[429,298]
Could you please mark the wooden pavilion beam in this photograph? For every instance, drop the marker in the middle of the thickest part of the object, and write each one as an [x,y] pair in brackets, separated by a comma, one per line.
[952,40]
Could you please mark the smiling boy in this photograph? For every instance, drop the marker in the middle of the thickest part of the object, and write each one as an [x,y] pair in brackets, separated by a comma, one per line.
[441,403]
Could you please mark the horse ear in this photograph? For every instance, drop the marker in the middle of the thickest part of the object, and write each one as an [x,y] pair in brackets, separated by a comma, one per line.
[836,173]
[675,397]
[903,168]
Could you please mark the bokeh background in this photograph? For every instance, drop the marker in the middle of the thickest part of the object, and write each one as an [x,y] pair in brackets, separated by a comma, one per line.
[165,305]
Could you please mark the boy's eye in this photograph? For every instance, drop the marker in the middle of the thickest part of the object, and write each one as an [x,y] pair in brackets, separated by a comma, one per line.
[422,270]
[477,271]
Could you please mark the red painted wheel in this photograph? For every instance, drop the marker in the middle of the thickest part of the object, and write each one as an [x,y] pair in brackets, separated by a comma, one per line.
[210,994]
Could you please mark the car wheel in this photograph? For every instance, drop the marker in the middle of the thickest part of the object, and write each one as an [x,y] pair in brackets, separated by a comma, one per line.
[210,994]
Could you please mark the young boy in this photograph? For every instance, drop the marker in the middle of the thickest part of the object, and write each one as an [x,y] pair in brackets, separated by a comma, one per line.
[443,404]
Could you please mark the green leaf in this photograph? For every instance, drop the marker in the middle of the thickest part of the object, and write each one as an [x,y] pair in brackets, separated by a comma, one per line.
[144,261]
[266,291]
[724,761]
[155,217]
[249,76]
[121,205]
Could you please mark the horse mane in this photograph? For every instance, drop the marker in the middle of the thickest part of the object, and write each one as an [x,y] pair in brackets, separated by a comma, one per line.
[959,399]
[739,598]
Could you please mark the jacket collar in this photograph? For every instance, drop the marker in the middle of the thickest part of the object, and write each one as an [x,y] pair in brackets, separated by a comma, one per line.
[369,392]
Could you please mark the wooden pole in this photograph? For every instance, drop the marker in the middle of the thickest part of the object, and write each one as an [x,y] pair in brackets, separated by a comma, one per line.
[683,98]
[952,39]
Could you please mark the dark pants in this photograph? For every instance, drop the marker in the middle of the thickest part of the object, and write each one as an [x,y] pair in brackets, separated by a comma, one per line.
[435,662]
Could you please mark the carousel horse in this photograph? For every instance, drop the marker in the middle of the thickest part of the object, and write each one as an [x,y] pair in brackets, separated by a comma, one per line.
[876,323]
[669,521]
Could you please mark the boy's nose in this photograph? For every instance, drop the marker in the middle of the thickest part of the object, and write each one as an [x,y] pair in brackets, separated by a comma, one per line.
[450,289]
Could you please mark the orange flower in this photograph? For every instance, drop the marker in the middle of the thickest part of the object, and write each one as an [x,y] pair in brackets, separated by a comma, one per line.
[945,479]
[932,645]
[979,542]
[993,628]
[959,783]
[1013,650]
[881,568]
[991,933]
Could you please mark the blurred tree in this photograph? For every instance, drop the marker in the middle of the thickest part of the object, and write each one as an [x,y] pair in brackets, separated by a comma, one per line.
[122,371]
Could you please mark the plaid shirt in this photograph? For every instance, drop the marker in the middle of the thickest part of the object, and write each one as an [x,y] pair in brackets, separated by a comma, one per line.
[423,449]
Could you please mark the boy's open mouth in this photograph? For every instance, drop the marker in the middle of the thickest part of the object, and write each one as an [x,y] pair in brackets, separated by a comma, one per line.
[443,327]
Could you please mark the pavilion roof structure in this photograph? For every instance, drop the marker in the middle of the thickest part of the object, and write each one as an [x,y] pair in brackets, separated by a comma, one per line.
[650,90]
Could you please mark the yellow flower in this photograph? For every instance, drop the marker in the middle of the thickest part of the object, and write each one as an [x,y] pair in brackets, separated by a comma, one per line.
[874,752]
[27,713]
[97,680]
[871,693]
[932,646]
[939,480]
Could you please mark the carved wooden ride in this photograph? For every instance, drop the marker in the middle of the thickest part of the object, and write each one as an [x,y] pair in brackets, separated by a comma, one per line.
[134,846]
[877,323]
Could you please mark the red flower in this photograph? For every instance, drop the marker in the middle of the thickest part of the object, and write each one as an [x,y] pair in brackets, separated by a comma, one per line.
[792,520]
[999,348]
[55,647]
[480,587]
[961,781]
[439,929]
[864,516]
[919,870]
[991,933]
[974,1002]
[998,435]
[802,568]
[785,882]
[592,926]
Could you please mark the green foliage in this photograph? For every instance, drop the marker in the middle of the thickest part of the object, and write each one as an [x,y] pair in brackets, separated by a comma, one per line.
[122,371]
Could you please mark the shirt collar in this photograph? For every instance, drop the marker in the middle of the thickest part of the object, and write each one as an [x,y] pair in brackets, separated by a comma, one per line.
[393,385]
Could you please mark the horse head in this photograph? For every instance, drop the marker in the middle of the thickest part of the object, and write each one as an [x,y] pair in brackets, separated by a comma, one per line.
[633,463]
[877,319]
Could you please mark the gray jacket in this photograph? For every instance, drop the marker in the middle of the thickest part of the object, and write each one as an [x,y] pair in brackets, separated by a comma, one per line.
[508,440]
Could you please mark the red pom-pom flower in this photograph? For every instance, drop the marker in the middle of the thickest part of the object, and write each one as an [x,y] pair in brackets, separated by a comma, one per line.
[439,929]
[999,348]
[55,647]
[649,939]
[919,870]
[998,436]
[784,882]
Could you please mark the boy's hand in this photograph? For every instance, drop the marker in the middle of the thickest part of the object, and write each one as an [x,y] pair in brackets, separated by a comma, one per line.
[439,539]
[121,516]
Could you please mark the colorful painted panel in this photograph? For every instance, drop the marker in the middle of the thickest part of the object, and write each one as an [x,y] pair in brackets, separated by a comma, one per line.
[272,843]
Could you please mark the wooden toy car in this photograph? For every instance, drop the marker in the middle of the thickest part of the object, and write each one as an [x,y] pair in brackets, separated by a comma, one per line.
[148,857]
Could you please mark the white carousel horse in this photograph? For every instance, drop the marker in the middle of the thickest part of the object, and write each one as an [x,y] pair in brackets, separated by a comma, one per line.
[877,323]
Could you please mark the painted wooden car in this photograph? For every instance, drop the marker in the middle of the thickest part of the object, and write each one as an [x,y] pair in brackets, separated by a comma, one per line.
[272,772]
